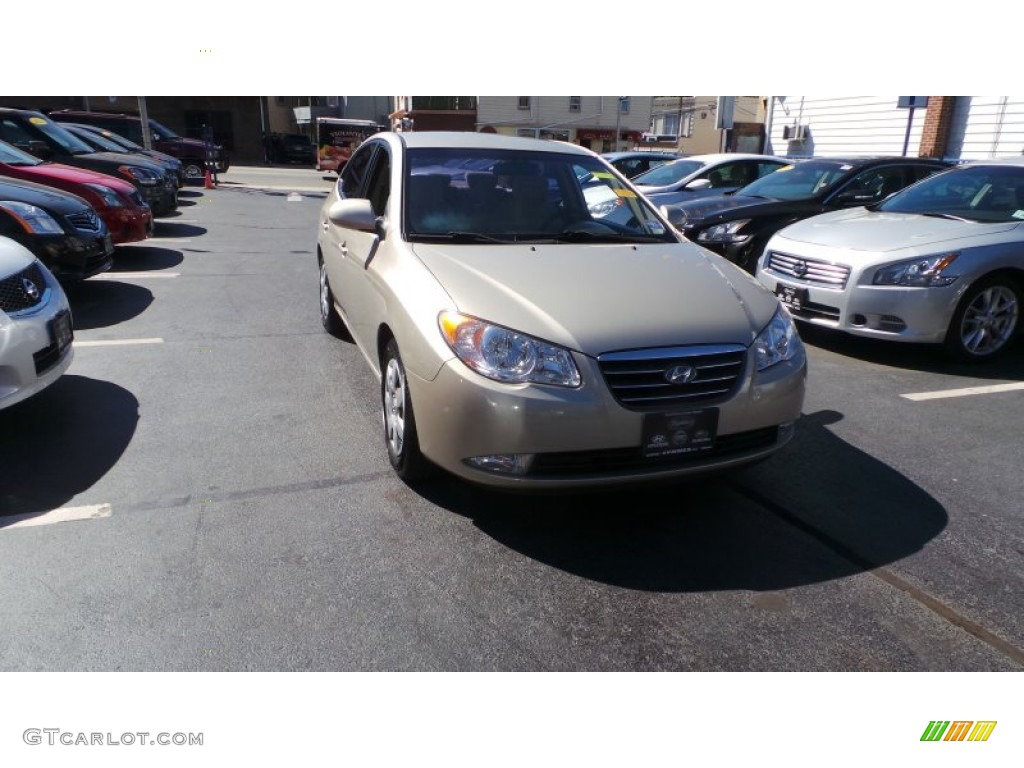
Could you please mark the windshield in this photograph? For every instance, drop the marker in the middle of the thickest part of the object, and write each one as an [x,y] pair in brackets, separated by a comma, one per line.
[95,140]
[57,134]
[798,182]
[492,195]
[119,139]
[977,193]
[14,156]
[669,173]
[163,130]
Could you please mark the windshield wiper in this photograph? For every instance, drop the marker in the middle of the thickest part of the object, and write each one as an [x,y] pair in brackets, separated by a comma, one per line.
[937,215]
[459,237]
[587,236]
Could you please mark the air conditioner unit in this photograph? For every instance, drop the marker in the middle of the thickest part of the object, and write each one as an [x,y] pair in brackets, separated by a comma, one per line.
[794,132]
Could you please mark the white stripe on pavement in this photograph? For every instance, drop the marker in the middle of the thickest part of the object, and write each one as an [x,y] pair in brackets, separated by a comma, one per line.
[63,515]
[117,342]
[132,275]
[965,391]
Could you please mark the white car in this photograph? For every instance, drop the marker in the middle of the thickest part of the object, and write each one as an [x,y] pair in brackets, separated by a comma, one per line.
[941,261]
[35,325]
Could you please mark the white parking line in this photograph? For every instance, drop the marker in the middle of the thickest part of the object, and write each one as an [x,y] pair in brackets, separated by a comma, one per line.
[132,275]
[965,391]
[63,515]
[117,342]
[171,240]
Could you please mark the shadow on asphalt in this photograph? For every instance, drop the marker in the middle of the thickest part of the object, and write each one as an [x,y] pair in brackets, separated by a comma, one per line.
[60,442]
[102,303]
[928,358]
[174,229]
[143,258]
[820,510]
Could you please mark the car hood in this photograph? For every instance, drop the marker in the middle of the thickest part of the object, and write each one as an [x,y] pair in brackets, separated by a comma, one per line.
[13,257]
[734,206]
[69,173]
[40,195]
[110,161]
[604,298]
[862,230]
[196,145]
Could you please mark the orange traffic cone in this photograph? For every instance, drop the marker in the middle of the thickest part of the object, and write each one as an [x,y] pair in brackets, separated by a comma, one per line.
[208,182]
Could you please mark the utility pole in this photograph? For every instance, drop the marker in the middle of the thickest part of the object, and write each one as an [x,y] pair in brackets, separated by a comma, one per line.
[618,119]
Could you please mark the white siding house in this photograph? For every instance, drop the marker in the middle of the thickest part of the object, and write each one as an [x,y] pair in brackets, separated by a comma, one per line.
[843,125]
[987,126]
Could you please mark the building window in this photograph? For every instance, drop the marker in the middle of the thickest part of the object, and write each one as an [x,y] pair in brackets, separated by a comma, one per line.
[624,104]
[524,102]
[574,103]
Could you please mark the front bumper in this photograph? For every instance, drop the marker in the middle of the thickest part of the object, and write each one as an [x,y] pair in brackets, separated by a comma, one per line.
[893,313]
[71,257]
[129,225]
[583,437]
[30,358]
[161,198]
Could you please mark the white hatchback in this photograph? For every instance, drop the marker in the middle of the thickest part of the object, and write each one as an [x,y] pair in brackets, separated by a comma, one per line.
[35,325]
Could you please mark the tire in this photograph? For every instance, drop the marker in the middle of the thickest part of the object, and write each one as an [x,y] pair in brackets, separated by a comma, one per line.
[986,320]
[329,317]
[193,169]
[400,436]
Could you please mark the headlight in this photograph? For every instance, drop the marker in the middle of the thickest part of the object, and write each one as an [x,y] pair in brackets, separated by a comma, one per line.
[141,175]
[724,233]
[31,218]
[598,210]
[506,355]
[778,342]
[110,198]
[926,272]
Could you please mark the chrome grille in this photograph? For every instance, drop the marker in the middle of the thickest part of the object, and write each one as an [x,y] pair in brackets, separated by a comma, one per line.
[809,270]
[85,220]
[641,379]
[14,297]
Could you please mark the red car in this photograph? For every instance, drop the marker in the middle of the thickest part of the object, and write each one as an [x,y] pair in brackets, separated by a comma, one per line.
[118,203]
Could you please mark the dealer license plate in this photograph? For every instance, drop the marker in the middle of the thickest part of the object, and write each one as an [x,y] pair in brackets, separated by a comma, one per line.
[667,434]
[792,296]
[61,332]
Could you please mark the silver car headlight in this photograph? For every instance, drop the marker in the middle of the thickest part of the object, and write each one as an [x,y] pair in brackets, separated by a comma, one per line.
[778,342]
[724,233]
[31,218]
[927,272]
[110,198]
[605,207]
[505,355]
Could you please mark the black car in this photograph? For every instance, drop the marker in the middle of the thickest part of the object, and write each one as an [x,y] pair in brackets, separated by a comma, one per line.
[38,135]
[62,230]
[738,224]
[108,141]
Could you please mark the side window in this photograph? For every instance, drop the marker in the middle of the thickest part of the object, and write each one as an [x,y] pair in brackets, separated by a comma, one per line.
[725,175]
[763,169]
[378,189]
[877,183]
[351,182]
[919,172]
[13,133]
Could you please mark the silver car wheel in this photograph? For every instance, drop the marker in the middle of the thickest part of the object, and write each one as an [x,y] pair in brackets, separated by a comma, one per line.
[989,321]
[325,293]
[394,407]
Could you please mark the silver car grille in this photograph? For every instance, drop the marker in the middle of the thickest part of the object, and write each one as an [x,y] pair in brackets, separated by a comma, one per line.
[85,220]
[809,270]
[656,379]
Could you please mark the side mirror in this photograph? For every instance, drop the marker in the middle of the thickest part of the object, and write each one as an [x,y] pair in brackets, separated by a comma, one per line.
[355,214]
[699,184]
[675,216]
[40,149]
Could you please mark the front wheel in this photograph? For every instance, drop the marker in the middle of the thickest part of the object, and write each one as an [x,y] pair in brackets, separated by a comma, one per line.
[400,435]
[329,317]
[194,169]
[986,320]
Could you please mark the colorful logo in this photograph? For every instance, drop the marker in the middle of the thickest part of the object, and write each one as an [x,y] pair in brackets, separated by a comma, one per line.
[958,730]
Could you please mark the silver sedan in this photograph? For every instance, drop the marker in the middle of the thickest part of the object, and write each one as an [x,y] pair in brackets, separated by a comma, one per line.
[522,343]
[940,262]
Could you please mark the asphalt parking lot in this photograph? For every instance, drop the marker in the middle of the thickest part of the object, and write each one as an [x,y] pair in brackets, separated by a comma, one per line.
[206,488]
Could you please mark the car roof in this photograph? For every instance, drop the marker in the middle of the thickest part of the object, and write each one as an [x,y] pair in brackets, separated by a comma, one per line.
[471,140]
[870,159]
[640,153]
[1010,161]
